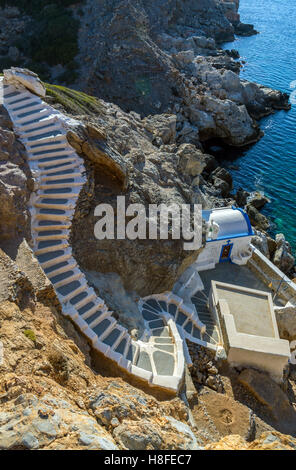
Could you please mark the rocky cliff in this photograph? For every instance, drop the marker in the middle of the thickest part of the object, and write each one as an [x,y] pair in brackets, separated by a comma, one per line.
[159,88]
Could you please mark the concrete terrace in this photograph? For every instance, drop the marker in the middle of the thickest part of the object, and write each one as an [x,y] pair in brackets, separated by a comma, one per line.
[237,275]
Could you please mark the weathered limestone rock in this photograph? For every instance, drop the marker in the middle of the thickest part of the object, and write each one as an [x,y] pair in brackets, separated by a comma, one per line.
[15,184]
[191,160]
[259,221]
[31,423]
[283,257]
[91,142]
[26,78]
[258,200]
[270,395]
[286,320]
[163,126]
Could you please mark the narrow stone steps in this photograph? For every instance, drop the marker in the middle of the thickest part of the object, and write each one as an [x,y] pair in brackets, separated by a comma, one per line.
[64,204]
[26,110]
[52,235]
[36,126]
[66,163]
[48,246]
[51,139]
[16,98]
[54,194]
[56,258]
[69,276]
[45,225]
[13,109]
[53,215]
[43,113]
[42,130]
[69,183]
[61,268]
[61,175]
[47,154]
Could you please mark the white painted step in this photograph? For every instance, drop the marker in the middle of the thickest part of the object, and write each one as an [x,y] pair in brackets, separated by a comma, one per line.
[46,154]
[19,113]
[19,107]
[52,235]
[52,139]
[62,176]
[62,246]
[24,128]
[77,182]
[50,165]
[66,255]
[70,266]
[59,165]
[9,100]
[38,115]
[36,132]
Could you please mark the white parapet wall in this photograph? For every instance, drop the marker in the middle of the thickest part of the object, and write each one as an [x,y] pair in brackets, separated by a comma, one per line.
[273,277]
[250,334]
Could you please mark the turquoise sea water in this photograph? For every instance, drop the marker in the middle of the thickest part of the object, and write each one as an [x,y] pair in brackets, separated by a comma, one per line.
[270,165]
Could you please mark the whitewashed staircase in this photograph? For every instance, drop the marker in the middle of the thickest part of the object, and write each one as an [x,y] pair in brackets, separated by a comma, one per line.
[59,174]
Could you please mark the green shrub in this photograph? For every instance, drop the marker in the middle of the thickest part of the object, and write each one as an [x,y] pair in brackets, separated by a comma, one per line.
[75,102]
[30,335]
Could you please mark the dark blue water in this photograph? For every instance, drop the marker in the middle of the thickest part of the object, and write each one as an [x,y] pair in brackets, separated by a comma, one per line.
[270,165]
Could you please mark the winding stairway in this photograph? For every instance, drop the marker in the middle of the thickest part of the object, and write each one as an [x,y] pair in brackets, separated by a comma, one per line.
[59,175]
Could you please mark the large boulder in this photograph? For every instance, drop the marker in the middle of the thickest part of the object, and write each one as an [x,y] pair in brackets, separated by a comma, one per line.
[286,321]
[283,257]
[23,77]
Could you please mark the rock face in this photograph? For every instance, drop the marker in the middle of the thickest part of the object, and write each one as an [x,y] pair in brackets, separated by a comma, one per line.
[164,56]
[15,184]
[271,396]
[138,159]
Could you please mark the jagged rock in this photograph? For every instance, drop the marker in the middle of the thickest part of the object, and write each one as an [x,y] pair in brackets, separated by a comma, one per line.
[32,423]
[286,321]
[260,241]
[222,180]
[258,200]
[163,126]
[241,197]
[191,160]
[244,29]
[283,257]
[258,220]
[26,78]
[90,142]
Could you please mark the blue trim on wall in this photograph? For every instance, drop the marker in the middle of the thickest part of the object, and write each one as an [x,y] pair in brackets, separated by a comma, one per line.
[229,256]
[250,230]
[240,235]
